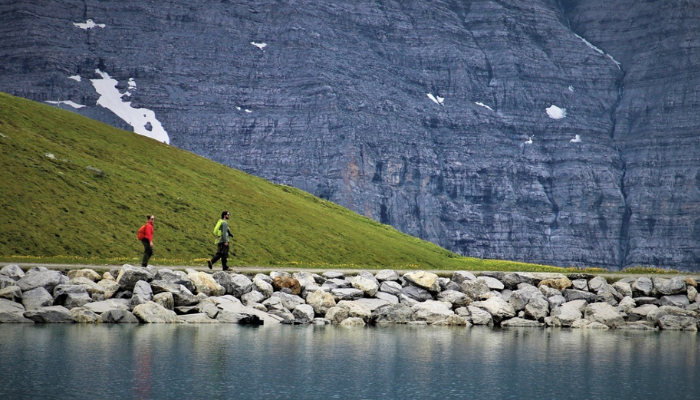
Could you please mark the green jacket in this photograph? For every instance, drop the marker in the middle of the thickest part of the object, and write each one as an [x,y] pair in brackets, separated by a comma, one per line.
[224,238]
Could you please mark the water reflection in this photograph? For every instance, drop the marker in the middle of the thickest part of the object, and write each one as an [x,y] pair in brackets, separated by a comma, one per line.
[225,361]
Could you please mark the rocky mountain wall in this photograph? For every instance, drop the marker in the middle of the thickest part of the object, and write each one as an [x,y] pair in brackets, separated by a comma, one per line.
[556,132]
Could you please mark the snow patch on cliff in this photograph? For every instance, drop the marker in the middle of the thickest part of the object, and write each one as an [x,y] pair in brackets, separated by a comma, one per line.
[589,44]
[68,102]
[142,120]
[89,24]
[261,46]
[76,78]
[437,99]
[478,103]
[576,139]
[555,112]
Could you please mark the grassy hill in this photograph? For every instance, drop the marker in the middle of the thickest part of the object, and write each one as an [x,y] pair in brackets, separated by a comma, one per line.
[76,190]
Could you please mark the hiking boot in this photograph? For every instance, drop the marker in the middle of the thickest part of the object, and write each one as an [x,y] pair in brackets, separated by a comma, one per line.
[225,268]
[209,263]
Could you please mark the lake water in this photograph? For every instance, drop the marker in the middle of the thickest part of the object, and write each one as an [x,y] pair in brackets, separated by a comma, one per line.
[295,362]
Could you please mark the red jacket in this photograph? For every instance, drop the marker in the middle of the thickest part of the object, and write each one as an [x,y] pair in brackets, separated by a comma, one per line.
[149,231]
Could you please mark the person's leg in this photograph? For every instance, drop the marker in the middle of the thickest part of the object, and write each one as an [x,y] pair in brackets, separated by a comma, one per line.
[217,256]
[224,257]
[147,252]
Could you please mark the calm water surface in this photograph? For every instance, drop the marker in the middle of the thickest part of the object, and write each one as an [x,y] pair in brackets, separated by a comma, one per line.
[398,362]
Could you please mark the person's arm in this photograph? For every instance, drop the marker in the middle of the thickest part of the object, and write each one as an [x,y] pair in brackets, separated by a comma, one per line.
[224,232]
[149,233]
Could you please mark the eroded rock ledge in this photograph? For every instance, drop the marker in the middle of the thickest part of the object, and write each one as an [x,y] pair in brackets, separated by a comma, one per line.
[159,295]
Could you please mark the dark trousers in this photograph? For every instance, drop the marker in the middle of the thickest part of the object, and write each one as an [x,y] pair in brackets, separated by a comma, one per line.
[221,253]
[147,252]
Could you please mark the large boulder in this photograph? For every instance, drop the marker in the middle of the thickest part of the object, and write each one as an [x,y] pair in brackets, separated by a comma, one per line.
[320,301]
[475,289]
[568,313]
[36,298]
[13,293]
[71,296]
[91,286]
[391,287]
[640,313]
[356,310]
[305,279]
[537,308]
[252,297]
[50,315]
[559,283]
[624,288]
[597,283]
[574,294]
[231,304]
[392,314]
[460,276]
[42,278]
[580,284]
[605,314]
[642,287]
[678,300]
[432,311]
[387,275]
[303,314]
[371,304]
[118,316]
[457,299]
[111,287]
[206,284]
[281,282]
[11,312]
[6,281]
[497,307]
[491,282]
[521,297]
[367,285]
[263,286]
[152,312]
[678,323]
[84,273]
[289,301]
[12,271]
[512,280]
[479,316]
[521,323]
[84,316]
[165,299]
[337,314]
[347,294]
[129,275]
[142,294]
[234,284]
[423,280]
[668,287]
[417,293]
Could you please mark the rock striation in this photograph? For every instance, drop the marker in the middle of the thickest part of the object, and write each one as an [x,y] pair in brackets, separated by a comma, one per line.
[528,304]
[557,132]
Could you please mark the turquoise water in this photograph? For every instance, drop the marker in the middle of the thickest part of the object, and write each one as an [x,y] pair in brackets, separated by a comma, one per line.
[397,362]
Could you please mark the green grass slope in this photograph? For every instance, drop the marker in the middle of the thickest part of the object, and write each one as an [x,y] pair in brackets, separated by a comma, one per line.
[76,190]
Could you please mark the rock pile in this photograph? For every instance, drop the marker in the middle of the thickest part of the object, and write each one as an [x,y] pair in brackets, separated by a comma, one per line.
[150,295]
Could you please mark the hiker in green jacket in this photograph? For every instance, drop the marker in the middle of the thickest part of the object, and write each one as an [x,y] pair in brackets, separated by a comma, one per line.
[222,243]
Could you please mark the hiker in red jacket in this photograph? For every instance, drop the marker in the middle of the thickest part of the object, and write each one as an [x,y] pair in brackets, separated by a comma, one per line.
[145,235]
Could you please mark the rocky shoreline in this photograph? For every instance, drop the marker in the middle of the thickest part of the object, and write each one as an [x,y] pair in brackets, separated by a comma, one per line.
[132,294]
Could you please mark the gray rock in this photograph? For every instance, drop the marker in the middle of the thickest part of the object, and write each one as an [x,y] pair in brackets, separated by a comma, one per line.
[231,304]
[12,293]
[335,283]
[355,310]
[647,300]
[208,308]
[71,296]
[387,275]
[129,275]
[100,307]
[84,316]
[668,287]
[391,287]
[678,300]
[521,297]
[347,294]
[390,298]
[521,323]
[626,305]
[548,291]
[556,301]
[198,318]
[512,280]
[273,303]
[692,293]
[597,283]
[427,281]
[460,276]
[492,283]
[580,284]
[263,277]
[165,299]
[153,313]
[110,288]
[290,301]
[142,294]
[416,293]
[678,323]
[207,285]
[432,311]
[333,275]
[252,297]
[6,282]
[392,314]
[497,307]
[49,315]
[238,285]
[303,314]
[605,314]
[352,322]
[371,304]
[11,312]
[320,301]
[305,278]
[624,288]
[36,298]
[12,271]
[366,285]
[118,316]
[478,316]
[40,278]
[566,314]
[263,286]
[574,294]
[537,308]
[91,286]
[609,295]
[84,273]
[475,289]
[640,313]
[280,274]
[638,326]
[337,314]
[457,299]
[642,287]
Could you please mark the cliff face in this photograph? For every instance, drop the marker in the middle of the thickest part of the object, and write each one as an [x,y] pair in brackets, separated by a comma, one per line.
[557,132]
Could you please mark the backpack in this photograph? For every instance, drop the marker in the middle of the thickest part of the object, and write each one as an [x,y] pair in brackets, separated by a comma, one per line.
[217,228]
[141,233]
